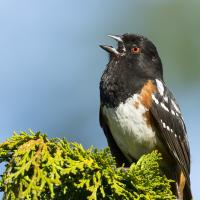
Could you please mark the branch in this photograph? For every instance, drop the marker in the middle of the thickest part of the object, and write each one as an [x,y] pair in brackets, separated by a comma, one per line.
[40,168]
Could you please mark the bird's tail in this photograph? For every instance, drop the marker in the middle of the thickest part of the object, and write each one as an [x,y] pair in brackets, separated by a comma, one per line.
[181,188]
[187,193]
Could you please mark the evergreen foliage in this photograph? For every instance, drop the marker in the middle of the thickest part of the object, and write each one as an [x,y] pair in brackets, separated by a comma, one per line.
[40,168]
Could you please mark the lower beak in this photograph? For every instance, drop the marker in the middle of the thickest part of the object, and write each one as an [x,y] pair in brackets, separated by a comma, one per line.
[110,50]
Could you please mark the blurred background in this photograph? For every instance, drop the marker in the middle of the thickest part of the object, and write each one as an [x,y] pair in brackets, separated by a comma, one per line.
[50,63]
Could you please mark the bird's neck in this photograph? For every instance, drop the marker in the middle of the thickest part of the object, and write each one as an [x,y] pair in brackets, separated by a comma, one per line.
[117,85]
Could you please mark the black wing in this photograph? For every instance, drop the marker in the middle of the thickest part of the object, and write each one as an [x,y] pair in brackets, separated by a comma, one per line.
[172,131]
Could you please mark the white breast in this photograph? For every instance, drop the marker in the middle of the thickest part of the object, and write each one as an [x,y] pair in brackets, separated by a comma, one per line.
[129,128]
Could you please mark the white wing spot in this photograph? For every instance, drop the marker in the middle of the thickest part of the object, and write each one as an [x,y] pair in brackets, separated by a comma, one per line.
[160,87]
[164,106]
[172,111]
[175,106]
[166,99]
[168,128]
[163,123]
[165,126]
[155,99]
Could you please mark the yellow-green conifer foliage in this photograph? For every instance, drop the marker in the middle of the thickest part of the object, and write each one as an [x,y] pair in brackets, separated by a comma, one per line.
[40,168]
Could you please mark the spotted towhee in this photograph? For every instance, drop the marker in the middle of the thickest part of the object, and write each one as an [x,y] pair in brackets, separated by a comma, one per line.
[138,113]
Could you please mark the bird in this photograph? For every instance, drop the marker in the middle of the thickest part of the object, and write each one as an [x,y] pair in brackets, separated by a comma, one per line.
[139,114]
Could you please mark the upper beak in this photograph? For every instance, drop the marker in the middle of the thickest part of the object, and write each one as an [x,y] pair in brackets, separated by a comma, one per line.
[111,49]
[118,38]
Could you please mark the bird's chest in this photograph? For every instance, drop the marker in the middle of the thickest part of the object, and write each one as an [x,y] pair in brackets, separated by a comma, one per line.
[130,128]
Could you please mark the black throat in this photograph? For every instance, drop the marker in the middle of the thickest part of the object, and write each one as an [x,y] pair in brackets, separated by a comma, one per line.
[118,83]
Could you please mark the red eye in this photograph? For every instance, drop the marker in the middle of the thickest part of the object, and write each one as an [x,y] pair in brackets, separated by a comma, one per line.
[135,50]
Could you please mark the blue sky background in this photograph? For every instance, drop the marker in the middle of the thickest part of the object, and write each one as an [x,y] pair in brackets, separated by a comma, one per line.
[50,63]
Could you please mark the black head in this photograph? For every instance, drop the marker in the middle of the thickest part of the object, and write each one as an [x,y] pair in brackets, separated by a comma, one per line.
[139,52]
[131,64]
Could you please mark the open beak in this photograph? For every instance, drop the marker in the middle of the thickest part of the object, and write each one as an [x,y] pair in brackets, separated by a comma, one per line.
[111,50]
